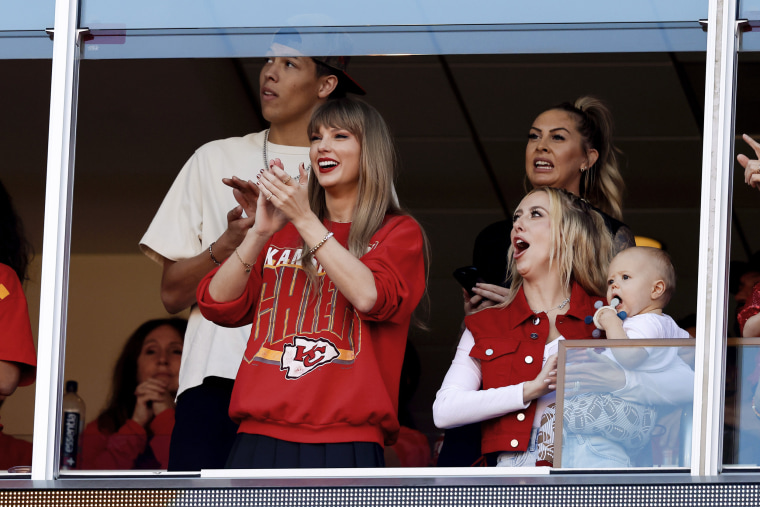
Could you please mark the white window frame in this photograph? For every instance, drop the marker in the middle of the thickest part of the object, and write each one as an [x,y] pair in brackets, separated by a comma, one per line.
[714,241]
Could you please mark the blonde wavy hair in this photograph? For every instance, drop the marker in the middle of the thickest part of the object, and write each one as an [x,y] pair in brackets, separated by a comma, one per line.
[581,244]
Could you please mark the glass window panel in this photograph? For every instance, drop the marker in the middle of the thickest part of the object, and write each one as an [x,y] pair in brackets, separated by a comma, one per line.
[27,15]
[140,119]
[24,100]
[745,265]
[749,9]
[22,29]
[113,42]
[740,444]
[741,434]
[644,422]
[211,14]
[24,45]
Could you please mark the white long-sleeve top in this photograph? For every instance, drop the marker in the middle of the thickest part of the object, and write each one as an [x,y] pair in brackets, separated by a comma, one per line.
[460,400]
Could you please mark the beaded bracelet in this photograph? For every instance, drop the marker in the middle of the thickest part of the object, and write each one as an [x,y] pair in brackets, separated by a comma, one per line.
[248,267]
[211,254]
[318,245]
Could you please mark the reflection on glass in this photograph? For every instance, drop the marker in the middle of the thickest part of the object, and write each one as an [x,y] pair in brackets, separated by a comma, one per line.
[614,417]
[235,13]
[110,42]
[741,433]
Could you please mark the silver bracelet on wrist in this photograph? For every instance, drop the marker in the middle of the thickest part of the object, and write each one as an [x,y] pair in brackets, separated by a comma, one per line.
[324,240]
[211,254]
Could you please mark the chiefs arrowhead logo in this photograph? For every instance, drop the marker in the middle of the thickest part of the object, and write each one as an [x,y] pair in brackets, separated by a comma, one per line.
[305,355]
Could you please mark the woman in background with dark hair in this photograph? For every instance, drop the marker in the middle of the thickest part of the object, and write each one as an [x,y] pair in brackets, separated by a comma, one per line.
[133,431]
[17,357]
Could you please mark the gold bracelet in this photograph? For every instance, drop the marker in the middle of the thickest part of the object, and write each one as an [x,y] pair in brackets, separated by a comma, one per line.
[318,245]
[248,267]
[211,254]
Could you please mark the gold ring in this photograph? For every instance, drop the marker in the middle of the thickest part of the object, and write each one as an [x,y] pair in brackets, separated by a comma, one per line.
[286,180]
[269,196]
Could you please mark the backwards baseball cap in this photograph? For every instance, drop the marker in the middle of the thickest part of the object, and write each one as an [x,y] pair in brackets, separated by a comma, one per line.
[339,64]
[289,42]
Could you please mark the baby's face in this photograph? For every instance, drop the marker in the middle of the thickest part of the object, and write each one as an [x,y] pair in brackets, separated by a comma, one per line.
[631,278]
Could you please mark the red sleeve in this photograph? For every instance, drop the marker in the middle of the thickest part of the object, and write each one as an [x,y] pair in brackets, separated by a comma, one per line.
[750,308]
[161,426]
[236,313]
[16,340]
[397,261]
[117,451]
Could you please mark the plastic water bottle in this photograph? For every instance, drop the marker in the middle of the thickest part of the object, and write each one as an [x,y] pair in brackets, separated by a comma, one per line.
[72,421]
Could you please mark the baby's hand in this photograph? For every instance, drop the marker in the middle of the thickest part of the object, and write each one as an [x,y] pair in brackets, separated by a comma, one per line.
[603,318]
[603,313]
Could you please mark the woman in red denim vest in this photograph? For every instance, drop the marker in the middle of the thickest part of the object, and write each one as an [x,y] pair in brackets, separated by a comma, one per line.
[559,252]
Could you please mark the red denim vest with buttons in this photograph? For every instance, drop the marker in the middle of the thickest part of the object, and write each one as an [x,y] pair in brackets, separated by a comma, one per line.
[509,342]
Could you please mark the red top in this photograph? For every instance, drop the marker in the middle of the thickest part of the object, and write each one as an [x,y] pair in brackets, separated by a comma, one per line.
[750,309]
[412,448]
[127,449]
[316,370]
[14,451]
[16,341]
[509,342]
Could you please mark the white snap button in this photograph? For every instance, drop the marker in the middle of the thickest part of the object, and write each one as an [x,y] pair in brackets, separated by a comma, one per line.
[489,352]
[514,442]
[528,359]
[520,416]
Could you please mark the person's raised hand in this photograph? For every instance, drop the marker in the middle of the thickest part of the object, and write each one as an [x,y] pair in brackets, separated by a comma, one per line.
[751,166]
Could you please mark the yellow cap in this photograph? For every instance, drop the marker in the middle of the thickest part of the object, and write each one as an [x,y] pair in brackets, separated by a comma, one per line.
[644,241]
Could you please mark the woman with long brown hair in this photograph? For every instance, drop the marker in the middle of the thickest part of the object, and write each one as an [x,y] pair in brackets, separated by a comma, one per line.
[133,431]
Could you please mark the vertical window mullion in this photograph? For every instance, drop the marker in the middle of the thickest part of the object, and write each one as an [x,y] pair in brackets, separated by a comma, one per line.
[56,240]
[714,238]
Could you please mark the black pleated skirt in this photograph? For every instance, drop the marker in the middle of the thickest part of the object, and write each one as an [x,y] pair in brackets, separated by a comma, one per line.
[259,451]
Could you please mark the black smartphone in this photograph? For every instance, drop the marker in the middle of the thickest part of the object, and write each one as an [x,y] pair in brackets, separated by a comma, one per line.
[467,277]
